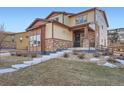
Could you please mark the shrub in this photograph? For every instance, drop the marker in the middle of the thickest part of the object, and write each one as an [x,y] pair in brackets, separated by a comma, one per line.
[81,56]
[96,54]
[24,54]
[13,53]
[33,55]
[112,60]
[18,53]
[76,52]
[66,55]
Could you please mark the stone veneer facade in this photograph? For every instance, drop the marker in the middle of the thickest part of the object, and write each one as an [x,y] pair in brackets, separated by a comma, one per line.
[53,44]
[89,41]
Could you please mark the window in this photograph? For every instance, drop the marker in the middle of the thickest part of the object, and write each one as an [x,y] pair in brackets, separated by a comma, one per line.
[81,19]
[35,40]
[56,19]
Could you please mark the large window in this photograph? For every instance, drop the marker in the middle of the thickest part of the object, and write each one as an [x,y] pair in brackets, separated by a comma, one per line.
[81,19]
[35,40]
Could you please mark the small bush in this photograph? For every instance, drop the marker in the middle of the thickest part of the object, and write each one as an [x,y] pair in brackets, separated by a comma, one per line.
[96,55]
[33,55]
[13,53]
[76,52]
[66,55]
[18,54]
[112,60]
[25,54]
[81,56]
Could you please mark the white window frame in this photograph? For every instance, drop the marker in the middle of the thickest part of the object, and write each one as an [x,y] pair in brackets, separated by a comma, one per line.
[81,19]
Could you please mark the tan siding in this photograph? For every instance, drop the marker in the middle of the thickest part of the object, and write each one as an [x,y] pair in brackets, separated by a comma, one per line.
[24,44]
[90,18]
[48,31]
[62,33]
[102,31]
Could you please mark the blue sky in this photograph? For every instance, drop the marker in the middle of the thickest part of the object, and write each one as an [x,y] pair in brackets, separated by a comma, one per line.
[18,19]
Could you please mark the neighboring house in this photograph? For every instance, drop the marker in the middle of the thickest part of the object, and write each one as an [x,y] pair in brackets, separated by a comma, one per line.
[60,30]
[9,41]
[116,36]
[22,40]
[116,41]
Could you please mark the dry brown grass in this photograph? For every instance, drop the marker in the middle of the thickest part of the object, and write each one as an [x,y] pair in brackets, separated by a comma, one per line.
[65,72]
[7,61]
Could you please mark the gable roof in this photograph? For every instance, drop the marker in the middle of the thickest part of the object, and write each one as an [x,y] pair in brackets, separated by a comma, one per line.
[45,22]
[92,9]
[58,12]
[36,20]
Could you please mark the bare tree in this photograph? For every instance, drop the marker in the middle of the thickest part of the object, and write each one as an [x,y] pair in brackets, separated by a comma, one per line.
[3,35]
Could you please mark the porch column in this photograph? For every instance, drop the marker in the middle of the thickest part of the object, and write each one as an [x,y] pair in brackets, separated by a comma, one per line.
[86,38]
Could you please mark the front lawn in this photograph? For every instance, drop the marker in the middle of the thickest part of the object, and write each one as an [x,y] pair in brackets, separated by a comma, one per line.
[65,72]
[7,61]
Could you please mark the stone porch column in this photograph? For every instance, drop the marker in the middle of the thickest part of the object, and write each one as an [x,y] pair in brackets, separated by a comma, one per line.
[86,38]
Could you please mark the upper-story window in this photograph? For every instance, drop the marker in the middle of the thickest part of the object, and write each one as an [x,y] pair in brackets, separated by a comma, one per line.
[81,19]
[56,19]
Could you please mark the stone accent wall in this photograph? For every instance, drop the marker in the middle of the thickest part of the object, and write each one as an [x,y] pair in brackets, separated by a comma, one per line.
[86,42]
[55,44]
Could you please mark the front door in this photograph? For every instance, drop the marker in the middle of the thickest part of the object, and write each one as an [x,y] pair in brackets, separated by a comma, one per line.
[77,39]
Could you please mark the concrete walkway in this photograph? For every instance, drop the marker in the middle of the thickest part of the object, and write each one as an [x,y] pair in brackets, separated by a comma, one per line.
[34,61]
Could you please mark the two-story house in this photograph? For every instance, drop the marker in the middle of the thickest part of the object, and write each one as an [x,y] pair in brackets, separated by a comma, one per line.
[60,30]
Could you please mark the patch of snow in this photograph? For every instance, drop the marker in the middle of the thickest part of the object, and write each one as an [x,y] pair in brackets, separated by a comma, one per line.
[5,54]
[120,61]
[94,59]
[106,57]
[7,70]
[109,65]
[19,66]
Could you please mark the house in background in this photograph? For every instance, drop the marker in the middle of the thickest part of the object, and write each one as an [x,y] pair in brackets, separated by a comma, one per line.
[22,40]
[60,30]
[116,40]
[116,36]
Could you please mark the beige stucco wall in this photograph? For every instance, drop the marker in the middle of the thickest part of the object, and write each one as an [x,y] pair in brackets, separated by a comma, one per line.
[25,40]
[48,30]
[102,30]
[90,18]
[67,20]
[62,33]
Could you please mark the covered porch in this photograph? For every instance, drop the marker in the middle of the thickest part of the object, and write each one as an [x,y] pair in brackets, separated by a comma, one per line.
[83,36]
